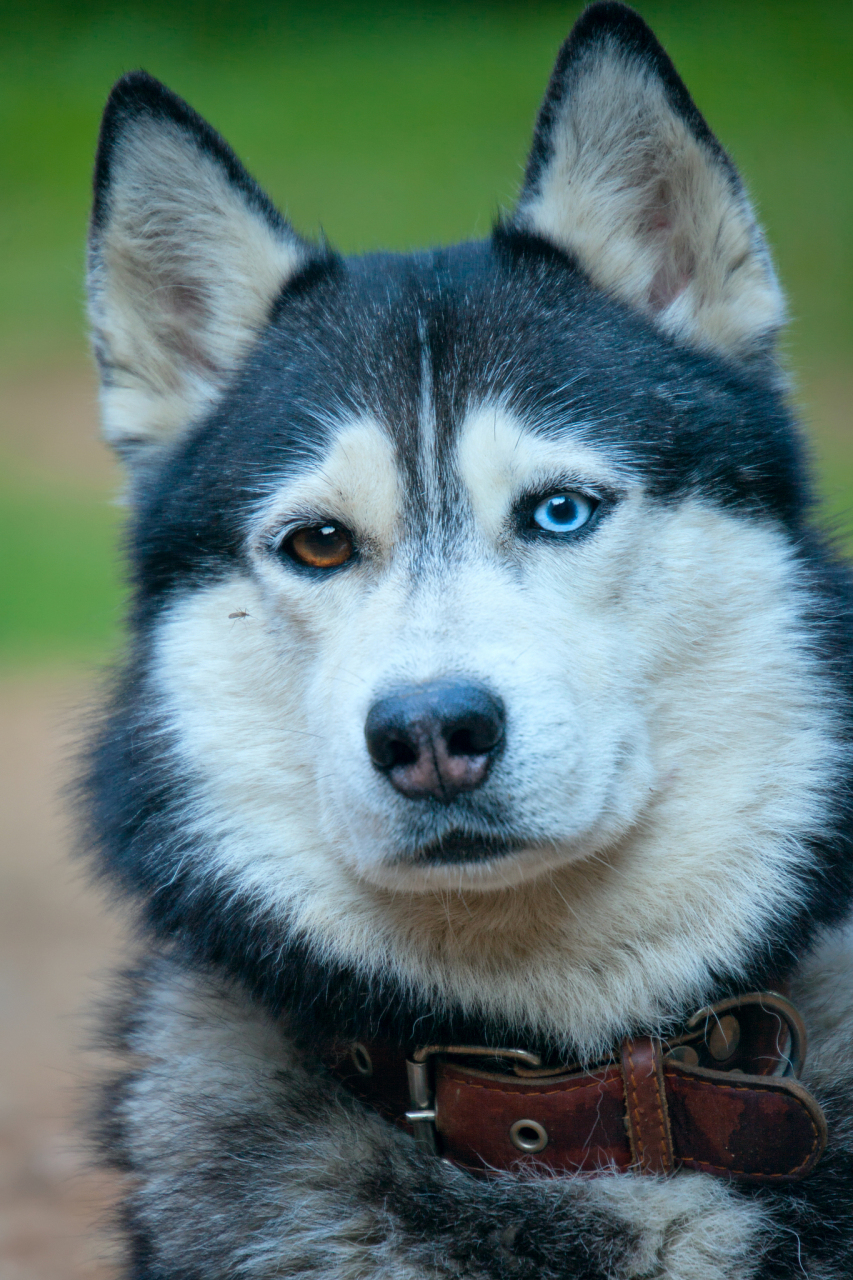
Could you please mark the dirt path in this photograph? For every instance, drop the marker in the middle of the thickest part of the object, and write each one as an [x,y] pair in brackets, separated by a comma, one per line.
[50,421]
[55,941]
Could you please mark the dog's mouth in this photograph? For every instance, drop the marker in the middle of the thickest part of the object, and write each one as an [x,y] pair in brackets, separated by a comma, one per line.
[462,847]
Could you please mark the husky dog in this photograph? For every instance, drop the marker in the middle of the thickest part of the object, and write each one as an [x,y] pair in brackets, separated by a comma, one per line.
[489,685]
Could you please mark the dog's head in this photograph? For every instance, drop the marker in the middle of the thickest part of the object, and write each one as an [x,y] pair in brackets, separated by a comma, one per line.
[477,569]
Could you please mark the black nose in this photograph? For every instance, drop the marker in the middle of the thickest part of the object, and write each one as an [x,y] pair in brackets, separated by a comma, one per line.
[436,739]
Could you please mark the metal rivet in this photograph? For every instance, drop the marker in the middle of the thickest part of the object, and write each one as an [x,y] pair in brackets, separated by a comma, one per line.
[684,1053]
[724,1038]
[528,1135]
[361,1059]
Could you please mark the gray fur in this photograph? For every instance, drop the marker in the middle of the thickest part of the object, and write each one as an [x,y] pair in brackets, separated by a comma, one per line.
[249,1162]
[668,817]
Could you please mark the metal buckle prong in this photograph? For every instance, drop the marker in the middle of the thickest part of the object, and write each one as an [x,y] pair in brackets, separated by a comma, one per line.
[477,1051]
[422,1115]
[420,1091]
[422,1096]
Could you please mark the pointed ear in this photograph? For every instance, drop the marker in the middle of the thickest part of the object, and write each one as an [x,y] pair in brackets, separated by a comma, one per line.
[186,256]
[626,176]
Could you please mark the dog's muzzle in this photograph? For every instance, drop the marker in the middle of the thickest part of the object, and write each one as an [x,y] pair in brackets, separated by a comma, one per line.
[436,740]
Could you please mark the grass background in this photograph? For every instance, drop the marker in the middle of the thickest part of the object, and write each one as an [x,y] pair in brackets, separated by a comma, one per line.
[385,125]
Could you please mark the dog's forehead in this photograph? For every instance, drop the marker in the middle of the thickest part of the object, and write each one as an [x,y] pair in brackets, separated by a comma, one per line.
[425,348]
[403,382]
[417,343]
[365,477]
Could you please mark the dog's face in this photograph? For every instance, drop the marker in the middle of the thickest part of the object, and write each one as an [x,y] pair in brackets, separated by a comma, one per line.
[449,643]
[474,570]
[464,667]
[463,650]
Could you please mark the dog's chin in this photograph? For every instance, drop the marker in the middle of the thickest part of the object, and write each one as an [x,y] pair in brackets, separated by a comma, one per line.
[461,861]
[461,849]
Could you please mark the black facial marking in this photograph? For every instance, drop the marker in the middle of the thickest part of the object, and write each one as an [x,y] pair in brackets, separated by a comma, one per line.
[512,321]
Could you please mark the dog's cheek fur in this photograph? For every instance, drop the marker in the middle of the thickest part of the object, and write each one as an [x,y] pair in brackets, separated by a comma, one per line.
[222,1124]
[741,734]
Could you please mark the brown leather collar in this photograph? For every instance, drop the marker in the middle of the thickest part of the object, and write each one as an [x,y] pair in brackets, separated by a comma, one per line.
[721,1098]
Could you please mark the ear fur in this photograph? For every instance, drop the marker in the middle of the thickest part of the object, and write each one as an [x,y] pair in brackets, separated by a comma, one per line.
[186,256]
[625,175]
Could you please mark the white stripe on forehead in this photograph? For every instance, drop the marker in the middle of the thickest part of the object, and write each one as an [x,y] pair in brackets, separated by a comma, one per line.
[427,428]
[499,457]
[360,481]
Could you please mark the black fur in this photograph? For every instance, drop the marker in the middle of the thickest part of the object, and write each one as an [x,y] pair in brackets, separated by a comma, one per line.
[349,333]
[516,319]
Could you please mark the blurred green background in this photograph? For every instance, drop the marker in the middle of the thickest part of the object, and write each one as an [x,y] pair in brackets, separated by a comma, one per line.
[386,126]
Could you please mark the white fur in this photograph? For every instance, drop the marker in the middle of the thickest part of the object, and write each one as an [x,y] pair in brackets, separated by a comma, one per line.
[669,738]
[356,483]
[182,275]
[221,1095]
[650,212]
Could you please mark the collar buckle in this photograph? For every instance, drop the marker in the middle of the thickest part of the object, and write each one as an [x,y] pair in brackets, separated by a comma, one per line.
[422,1095]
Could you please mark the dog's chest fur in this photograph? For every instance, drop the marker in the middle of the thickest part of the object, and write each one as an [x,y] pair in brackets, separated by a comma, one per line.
[229,1126]
[489,683]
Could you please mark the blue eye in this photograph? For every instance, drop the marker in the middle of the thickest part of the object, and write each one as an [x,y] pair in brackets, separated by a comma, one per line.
[564,512]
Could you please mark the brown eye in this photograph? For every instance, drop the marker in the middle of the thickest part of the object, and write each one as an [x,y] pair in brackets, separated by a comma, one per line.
[323,546]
